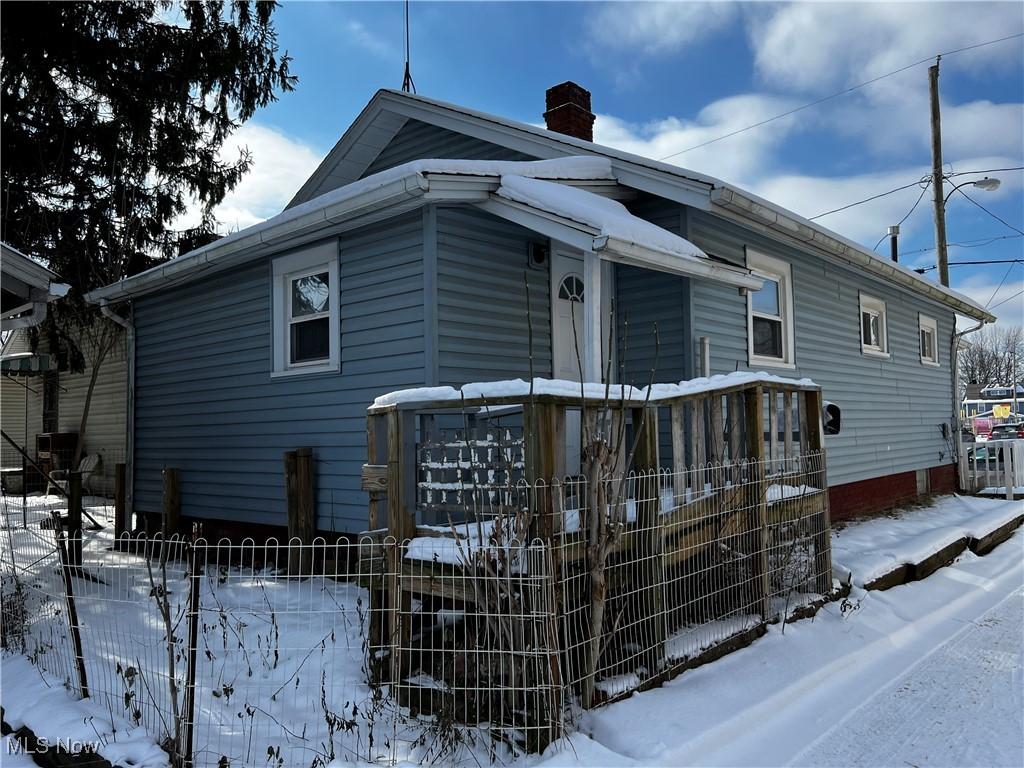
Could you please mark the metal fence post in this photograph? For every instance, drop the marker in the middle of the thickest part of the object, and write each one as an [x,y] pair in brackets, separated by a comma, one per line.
[69,596]
[197,564]
[75,519]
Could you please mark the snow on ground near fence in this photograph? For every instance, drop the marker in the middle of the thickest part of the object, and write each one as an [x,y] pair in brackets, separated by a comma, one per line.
[41,702]
[573,389]
[924,674]
[871,548]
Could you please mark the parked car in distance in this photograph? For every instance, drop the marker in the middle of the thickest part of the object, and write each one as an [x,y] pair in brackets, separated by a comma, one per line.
[1007,432]
[966,435]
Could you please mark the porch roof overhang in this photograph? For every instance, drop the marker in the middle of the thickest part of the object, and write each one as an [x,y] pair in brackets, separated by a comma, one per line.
[27,287]
[625,238]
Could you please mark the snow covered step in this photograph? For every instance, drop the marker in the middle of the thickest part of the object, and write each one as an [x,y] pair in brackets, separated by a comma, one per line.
[881,553]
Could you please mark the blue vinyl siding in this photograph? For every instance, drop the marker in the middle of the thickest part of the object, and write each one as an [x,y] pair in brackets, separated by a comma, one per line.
[417,140]
[893,408]
[481,299]
[206,403]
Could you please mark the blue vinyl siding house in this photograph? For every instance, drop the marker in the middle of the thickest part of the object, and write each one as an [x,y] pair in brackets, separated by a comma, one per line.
[385,273]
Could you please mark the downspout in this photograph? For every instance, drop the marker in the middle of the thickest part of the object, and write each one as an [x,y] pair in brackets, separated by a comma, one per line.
[129,440]
[955,366]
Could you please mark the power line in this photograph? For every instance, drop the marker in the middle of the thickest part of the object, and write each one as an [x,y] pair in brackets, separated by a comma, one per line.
[865,200]
[1008,298]
[920,197]
[966,244]
[922,270]
[987,170]
[908,186]
[992,297]
[986,210]
[851,89]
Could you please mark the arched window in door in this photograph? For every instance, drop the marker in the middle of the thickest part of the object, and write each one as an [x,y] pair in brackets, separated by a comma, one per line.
[571,288]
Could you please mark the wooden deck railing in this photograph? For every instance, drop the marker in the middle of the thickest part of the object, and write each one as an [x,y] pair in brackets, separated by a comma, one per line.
[711,512]
[424,457]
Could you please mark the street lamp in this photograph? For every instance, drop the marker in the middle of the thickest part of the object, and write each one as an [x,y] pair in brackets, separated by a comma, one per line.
[986,185]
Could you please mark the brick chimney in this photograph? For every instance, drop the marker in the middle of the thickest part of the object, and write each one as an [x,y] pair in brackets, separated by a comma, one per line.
[568,111]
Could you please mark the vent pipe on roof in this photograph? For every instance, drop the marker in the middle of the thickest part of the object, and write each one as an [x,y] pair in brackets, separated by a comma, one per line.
[894,247]
[568,110]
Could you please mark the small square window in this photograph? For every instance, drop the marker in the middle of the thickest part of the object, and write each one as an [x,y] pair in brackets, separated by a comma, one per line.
[929,337]
[306,319]
[770,313]
[873,332]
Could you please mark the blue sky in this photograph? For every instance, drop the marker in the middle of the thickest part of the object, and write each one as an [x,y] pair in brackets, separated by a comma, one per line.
[665,77]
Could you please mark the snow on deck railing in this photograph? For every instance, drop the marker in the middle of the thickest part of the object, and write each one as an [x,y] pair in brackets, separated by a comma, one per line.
[590,391]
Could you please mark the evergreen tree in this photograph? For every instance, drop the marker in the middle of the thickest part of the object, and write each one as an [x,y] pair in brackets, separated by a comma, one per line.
[114,115]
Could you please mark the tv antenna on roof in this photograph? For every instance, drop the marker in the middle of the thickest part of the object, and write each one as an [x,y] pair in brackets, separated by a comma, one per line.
[407,84]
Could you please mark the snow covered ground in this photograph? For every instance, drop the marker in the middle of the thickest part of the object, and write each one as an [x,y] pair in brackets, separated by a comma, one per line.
[40,701]
[924,674]
[929,673]
[874,547]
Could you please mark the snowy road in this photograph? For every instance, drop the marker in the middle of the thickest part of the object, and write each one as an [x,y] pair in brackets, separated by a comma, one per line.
[925,674]
[954,708]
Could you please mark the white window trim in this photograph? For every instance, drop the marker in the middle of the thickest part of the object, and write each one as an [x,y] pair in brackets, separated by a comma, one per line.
[781,271]
[317,258]
[925,323]
[876,306]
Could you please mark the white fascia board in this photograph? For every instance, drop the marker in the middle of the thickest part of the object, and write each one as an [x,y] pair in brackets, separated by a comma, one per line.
[733,205]
[613,249]
[542,143]
[569,232]
[588,238]
[20,267]
[373,114]
[236,249]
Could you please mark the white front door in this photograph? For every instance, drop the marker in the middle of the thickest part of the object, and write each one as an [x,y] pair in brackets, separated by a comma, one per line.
[570,340]
[567,330]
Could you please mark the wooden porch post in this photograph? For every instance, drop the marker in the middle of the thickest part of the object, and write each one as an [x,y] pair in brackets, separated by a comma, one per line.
[757,500]
[648,521]
[816,445]
[402,526]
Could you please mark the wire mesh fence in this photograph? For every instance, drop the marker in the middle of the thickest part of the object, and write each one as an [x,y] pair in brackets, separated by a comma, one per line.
[472,636]
[641,578]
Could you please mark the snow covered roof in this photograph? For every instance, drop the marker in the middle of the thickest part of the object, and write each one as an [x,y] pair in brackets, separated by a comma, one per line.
[574,214]
[518,388]
[664,179]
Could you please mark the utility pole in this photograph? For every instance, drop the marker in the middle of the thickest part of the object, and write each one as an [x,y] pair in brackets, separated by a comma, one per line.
[937,190]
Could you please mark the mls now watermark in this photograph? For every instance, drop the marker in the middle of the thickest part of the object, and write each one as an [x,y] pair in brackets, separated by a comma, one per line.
[42,746]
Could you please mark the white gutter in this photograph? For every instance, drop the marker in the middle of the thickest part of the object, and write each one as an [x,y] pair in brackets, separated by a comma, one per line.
[248,243]
[18,318]
[129,438]
[748,207]
[614,249]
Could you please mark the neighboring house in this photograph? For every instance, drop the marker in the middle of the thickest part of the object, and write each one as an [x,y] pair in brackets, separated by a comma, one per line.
[390,269]
[38,399]
[996,405]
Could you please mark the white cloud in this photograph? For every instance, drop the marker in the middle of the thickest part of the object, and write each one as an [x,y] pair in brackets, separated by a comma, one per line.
[655,28]
[741,160]
[815,46]
[359,34]
[280,165]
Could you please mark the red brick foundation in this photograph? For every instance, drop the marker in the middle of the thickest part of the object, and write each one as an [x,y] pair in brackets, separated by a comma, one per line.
[878,494]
